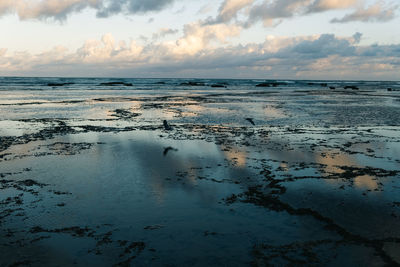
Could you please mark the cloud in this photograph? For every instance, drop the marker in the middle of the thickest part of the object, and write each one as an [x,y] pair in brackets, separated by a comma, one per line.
[60,9]
[205,9]
[324,5]
[164,32]
[272,12]
[268,11]
[197,37]
[36,9]
[3,51]
[378,12]
[323,56]
[229,9]
[106,51]
[111,7]
[325,45]
[6,6]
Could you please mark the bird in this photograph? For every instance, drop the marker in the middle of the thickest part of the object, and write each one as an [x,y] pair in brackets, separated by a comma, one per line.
[167,149]
[250,120]
[167,126]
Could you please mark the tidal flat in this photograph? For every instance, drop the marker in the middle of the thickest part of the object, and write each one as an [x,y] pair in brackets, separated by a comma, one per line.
[248,173]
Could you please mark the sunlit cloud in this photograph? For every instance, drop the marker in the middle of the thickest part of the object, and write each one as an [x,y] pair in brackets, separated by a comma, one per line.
[324,5]
[197,53]
[208,45]
[272,12]
[60,9]
[229,10]
[379,12]
[35,9]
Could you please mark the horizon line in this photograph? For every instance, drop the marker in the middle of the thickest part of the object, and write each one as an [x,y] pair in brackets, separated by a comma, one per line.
[192,78]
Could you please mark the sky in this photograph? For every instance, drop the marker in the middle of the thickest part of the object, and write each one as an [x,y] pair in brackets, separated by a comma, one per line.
[267,39]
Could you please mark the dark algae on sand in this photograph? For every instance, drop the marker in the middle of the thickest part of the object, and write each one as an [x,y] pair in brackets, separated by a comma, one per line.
[170,172]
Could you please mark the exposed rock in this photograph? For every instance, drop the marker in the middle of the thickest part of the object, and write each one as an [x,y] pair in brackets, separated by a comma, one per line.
[192,84]
[167,126]
[268,84]
[116,83]
[58,84]
[218,86]
[352,87]
[320,84]
[263,85]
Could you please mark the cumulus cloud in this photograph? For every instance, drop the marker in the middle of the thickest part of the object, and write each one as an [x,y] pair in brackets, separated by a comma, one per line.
[317,56]
[107,50]
[198,37]
[378,12]
[38,9]
[229,10]
[268,11]
[60,9]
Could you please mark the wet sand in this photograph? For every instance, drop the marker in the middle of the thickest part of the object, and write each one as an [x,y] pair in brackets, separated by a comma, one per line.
[298,176]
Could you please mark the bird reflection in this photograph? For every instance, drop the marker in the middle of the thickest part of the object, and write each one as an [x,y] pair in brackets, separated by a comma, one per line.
[167,149]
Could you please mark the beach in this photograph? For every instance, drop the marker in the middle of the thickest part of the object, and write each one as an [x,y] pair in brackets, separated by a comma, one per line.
[200,172]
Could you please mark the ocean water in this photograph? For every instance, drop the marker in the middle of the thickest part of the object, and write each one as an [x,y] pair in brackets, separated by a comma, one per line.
[306,102]
[249,172]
